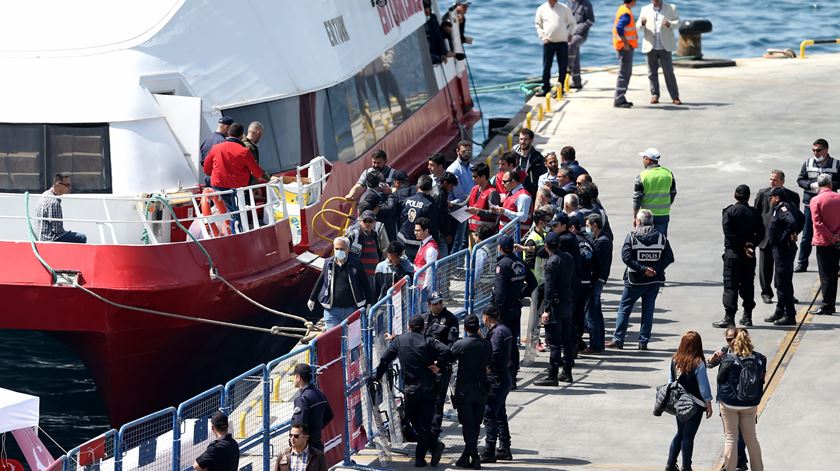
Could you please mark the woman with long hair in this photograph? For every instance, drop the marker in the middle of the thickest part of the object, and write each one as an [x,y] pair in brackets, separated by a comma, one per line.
[740,387]
[688,367]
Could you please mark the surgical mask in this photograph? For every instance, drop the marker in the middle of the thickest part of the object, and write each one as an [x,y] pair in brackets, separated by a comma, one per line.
[820,159]
[340,255]
[589,232]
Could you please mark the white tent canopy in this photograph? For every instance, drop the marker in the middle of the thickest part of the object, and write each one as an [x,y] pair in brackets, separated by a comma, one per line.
[17,410]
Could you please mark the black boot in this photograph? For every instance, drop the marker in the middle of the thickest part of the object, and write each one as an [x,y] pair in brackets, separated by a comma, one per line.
[475,459]
[550,377]
[489,453]
[437,452]
[566,377]
[727,321]
[776,316]
[503,454]
[463,461]
[746,319]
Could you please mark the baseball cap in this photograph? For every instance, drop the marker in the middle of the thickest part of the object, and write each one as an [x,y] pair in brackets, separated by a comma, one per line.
[778,191]
[435,297]
[367,215]
[226,120]
[506,243]
[552,239]
[650,153]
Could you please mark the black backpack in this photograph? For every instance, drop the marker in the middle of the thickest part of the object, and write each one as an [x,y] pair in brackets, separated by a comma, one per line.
[751,379]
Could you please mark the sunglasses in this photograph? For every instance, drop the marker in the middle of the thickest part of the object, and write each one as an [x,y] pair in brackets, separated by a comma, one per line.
[818,149]
[505,181]
[730,339]
[294,435]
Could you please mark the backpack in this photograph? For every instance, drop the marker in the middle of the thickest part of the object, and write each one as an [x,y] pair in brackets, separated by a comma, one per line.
[750,380]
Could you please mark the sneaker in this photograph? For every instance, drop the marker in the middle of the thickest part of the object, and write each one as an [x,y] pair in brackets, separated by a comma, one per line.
[615,345]
[503,454]
[547,381]
[626,104]
[800,268]
[576,86]
[642,346]
[540,347]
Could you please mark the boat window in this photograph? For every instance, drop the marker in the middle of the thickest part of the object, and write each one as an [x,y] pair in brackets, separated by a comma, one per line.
[365,107]
[31,153]
[280,145]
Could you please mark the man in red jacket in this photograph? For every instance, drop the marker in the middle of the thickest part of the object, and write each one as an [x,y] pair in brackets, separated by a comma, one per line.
[825,213]
[229,165]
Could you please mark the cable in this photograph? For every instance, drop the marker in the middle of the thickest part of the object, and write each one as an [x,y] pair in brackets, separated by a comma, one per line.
[477,100]
[53,440]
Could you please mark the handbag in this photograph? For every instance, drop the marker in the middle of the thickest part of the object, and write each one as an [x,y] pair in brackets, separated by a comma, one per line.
[673,398]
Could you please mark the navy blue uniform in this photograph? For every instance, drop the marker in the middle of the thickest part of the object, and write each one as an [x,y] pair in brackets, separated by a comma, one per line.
[507,294]
[416,353]
[495,413]
[780,237]
[443,328]
[584,291]
[471,387]
[312,409]
[742,228]
[558,303]
[417,206]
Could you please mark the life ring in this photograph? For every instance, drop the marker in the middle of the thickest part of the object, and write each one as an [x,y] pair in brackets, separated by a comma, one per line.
[222,226]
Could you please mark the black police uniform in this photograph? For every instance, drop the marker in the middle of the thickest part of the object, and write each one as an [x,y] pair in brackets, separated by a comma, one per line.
[584,291]
[416,353]
[765,256]
[507,294]
[558,303]
[782,227]
[312,409]
[221,455]
[417,206]
[743,229]
[443,328]
[495,413]
[471,388]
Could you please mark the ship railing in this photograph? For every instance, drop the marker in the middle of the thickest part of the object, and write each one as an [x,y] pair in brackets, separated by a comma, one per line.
[98,453]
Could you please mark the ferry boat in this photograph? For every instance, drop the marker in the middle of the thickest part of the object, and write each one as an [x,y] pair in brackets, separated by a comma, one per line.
[120,95]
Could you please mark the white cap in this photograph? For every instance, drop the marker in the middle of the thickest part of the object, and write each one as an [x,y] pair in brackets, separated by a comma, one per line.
[650,153]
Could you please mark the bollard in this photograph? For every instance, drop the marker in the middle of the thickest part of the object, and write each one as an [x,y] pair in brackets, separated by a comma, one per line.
[539,113]
[567,83]
[510,141]
[690,44]
[548,102]
[528,120]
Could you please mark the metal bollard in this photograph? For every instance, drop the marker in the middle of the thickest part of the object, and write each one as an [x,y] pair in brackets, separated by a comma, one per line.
[548,102]
[510,141]
[528,120]
[690,44]
[539,113]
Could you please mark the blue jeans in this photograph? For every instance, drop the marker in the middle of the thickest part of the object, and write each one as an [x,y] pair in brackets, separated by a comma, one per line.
[460,241]
[684,440]
[807,235]
[73,238]
[660,223]
[232,204]
[595,317]
[336,315]
[629,296]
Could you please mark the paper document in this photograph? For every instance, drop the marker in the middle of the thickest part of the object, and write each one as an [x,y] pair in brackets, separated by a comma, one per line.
[461,214]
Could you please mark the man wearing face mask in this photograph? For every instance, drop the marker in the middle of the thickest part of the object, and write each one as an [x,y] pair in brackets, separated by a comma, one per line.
[342,286]
[820,163]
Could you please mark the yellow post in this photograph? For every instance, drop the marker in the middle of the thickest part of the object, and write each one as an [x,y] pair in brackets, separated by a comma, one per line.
[539,113]
[548,102]
[501,151]
[803,45]
[510,141]
[489,160]
[528,120]
[567,83]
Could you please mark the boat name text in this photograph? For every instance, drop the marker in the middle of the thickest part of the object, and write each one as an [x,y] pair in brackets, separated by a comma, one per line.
[336,31]
[398,11]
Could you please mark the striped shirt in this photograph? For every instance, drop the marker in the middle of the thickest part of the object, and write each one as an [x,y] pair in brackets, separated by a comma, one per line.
[51,226]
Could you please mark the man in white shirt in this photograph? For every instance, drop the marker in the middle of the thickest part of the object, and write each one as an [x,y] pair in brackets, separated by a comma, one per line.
[657,22]
[555,25]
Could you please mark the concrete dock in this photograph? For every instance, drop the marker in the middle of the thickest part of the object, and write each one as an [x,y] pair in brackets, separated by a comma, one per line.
[736,124]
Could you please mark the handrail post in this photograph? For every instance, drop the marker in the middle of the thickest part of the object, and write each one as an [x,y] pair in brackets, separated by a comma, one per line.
[266,420]
[176,442]
[346,439]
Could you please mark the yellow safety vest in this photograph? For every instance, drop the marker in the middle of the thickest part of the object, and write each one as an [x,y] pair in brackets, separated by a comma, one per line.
[656,182]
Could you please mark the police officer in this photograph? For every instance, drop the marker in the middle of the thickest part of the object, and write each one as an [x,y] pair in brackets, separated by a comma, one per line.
[416,206]
[471,388]
[498,374]
[557,314]
[442,326]
[584,287]
[311,406]
[820,163]
[782,237]
[743,231]
[507,294]
[419,357]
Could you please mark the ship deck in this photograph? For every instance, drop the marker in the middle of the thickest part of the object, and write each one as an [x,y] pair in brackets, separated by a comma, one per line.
[736,125]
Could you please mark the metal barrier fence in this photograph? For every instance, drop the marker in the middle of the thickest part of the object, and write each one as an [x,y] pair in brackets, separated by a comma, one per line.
[483,268]
[259,401]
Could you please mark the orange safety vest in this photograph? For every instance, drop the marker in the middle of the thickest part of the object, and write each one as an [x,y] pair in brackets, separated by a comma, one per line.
[481,199]
[510,204]
[629,31]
